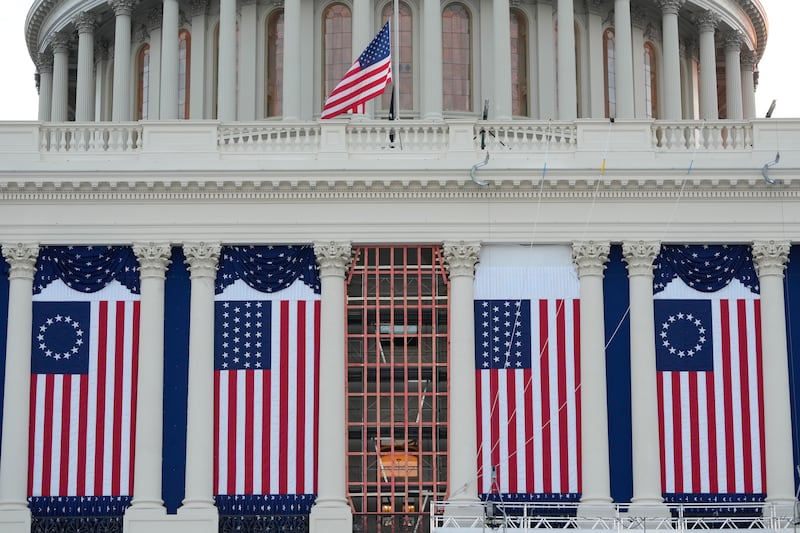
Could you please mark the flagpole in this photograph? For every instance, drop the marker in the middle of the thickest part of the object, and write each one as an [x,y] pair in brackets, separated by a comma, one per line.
[396,59]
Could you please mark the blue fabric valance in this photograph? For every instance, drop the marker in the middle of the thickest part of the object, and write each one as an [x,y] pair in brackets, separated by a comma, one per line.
[78,505]
[268,268]
[706,268]
[266,504]
[87,268]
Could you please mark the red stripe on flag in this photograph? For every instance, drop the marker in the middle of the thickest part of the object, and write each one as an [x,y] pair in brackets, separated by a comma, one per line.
[544,362]
[529,414]
[217,414]
[249,430]
[495,427]
[760,381]
[711,414]
[479,427]
[510,465]
[66,400]
[283,457]
[744,388]
[563,410]
[32,432]
[694,431]
[134,390]
[119,352]
[677,431]
[317,309]
[232,432]
[661,429]
[576,343]
[266,421]
[47,452]
[301,398]
[102,343]
[727,387]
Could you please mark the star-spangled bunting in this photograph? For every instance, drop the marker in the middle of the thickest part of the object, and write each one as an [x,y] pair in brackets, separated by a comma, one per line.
[268,269]
[87,268]
[504,331]
[706,268]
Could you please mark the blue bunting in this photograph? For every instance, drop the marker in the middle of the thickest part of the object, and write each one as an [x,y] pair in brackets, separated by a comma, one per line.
[705,268]
[268,268]
[87,268]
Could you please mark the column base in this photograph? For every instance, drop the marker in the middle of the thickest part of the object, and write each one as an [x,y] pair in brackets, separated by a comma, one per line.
[592,512]
[196,517]
[145,518]
[15,518]
[331,516]
[648,514]
[469,512]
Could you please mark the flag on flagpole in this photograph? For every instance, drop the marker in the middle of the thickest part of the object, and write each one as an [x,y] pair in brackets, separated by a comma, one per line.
[366,79]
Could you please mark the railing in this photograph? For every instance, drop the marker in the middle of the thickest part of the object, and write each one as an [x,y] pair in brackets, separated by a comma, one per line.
[702,135]
[274,137]
[677,517]
[75,137]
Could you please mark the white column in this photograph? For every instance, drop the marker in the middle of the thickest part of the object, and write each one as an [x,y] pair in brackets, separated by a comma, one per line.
[362,34]
[121,110]
[748,85]
[154,21]
[672,62]
[15,517]
[198,73]
[501,15]
[203,259]
[689,99]
[590,260]
[154,258]
[226,72]
[567,77]
[547,60]
[84,93]
[45,67]
[647,499]
[770,258]
[707,24]
[623,44]
[59,109]
[331,512]
[431,82]
[248,31]
[292,44]
[638,24]
[461,258]
[733,74]
[170,24]
[596,86]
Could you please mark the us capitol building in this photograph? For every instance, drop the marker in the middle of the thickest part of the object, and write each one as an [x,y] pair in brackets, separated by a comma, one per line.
[555,290]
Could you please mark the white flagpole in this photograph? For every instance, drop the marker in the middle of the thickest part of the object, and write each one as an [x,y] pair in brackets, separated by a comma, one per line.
[396,59]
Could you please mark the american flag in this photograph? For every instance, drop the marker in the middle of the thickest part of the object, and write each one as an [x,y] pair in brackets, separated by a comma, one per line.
[528,371]
[266,359]
[366,79]
[709,376]
[83,394]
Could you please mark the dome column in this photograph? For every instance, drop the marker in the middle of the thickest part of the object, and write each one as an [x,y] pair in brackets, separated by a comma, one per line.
[590,260]
[748,62]
[567,76]
[45,67]
[146,504]
[647,499]
[461,258]
[198,72]
[84,93]
[15,517]
[770,258]
[59,109]
[198,503]
[331,512]
[623,40]
[709,107]
[432,60]
[501,15]
[672,60]
[170,22]
[733,74]
[121,109]
[226,77]
[547,60]
[292,44]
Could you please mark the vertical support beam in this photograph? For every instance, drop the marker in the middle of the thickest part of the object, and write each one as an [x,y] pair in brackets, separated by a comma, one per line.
[432,87]
[733,74]
[501,15]
[170,22]
[709,107]
[197,87]
[748,60]
[122,108]
[672,71]
[45,67]
[596,86]
[331,512]
[292,41]
[547,60]
[226,72]
[84,94]
[770,258]
[567,77]
[590,260]
[59,109]
[248,33]
[461,258]
[15,517]
[623,41]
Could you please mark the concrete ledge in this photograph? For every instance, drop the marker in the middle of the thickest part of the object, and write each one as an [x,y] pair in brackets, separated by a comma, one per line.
[15,520]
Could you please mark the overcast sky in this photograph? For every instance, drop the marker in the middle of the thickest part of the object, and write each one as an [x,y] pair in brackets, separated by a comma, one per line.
[778,80]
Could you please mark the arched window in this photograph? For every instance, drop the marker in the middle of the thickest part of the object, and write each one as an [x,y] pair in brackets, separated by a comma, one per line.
[274,93]
[519,63]
[143,83]
[405,60]
[650,81]
[184,66]
[610,70]
[337,45]
[456,58]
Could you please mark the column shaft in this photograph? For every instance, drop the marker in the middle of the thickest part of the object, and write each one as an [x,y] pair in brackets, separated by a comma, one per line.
[748,85]
[169,61]
[331,512]
[644,401]
[361,36]
[590,259]
[709,108]
[197,85]
[501,106]
[16,395]
[432,60]
[597,94]
[121,110]
[733,75]
[60,105]
[547,61]
[770,259]
[84,94]
[461,259]
[226,78]
[672,61]
[292,45]
[623,42]
[45,66]
[567,77]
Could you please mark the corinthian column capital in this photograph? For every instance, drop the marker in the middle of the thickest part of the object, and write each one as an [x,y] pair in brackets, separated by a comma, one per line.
[21,257]
[671,7]
[333,258]
[198,7]
[85,22]
[122,7]
[590,257]
[770,257]
[45,63]
[732,40]
[154,258]
[461,257]
[707,21]
[202,258]
[640,256]
[60,43]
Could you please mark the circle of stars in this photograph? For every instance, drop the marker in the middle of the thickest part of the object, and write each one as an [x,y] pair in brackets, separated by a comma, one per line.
[692,321]
[67,322]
